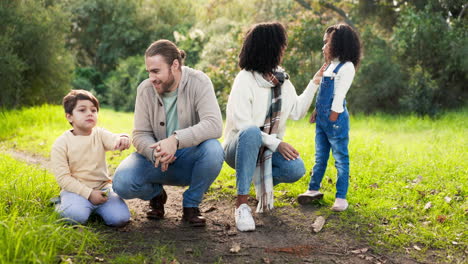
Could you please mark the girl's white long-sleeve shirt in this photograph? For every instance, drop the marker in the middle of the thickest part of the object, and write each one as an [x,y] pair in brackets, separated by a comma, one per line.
[343,81]
[249,102]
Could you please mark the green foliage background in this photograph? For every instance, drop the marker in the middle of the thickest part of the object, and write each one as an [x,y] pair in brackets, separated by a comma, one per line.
[414,56]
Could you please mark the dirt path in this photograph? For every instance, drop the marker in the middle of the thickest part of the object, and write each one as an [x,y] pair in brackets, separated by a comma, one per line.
[282,236]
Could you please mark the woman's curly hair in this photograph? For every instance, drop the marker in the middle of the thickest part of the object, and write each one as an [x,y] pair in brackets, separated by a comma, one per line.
[263,47]
[344,43]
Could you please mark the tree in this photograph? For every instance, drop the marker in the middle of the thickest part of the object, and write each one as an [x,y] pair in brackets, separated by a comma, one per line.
[35,67]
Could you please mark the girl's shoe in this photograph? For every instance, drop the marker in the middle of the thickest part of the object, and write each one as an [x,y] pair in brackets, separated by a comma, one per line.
[339,205]
[309,196]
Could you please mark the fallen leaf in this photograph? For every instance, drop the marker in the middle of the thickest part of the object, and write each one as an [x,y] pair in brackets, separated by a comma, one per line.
[418,179]
[235,248]
[375,186]
[266,260]
[428,206]
[417,248]
[318,224]
[447,199]
[175,262]
[441,218]
[360,251]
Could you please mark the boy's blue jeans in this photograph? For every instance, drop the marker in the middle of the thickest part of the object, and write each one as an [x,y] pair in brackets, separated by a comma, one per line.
[77,209]
[242,154]
[196,167]
[334,136]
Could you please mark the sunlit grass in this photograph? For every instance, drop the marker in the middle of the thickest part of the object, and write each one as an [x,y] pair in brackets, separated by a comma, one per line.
[30,230]
[408,183]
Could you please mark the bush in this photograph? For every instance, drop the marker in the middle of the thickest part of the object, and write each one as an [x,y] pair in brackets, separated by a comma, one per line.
[123,83]
[90,79]
[303,56]
[426,39]
[35,67]
[420,94]
[379,81]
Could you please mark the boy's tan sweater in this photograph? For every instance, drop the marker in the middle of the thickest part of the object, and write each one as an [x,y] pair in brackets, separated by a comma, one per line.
[79,162]
[198,113]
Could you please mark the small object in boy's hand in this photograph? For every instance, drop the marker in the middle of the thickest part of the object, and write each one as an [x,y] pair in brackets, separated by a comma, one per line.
[105,193]
[54,200]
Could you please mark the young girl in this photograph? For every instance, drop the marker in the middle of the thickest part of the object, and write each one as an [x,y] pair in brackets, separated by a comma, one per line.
[342,52]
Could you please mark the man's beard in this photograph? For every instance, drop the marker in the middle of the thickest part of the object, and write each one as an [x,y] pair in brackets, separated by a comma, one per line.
[166,86]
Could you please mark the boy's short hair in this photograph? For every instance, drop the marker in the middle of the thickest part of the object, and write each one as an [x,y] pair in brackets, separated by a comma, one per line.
[70,100]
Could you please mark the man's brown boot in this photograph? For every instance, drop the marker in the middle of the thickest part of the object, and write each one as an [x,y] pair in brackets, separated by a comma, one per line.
[157,206]
[192,216]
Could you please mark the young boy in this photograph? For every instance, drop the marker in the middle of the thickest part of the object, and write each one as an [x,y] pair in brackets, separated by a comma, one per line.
[79,164]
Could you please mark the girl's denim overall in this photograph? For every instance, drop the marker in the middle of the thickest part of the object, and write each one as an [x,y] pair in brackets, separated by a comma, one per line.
[329,134]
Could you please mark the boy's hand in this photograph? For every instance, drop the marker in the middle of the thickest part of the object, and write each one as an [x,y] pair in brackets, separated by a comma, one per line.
[319,74]
[122,143]
[97,197]
[313,117]
[333,116]
[288,151]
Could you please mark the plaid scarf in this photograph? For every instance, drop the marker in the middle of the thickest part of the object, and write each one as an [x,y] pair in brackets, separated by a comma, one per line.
[263,176]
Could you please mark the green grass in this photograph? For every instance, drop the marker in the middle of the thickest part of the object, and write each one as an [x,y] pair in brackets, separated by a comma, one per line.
[30,230]
[399,164]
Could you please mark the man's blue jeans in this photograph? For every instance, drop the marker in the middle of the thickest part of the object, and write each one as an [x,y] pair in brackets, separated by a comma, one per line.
[196,167]
[242,154]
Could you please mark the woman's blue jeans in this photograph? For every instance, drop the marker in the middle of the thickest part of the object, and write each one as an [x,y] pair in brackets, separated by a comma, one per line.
[242,153]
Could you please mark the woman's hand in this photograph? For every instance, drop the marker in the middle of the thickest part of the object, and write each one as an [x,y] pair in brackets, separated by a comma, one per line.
[313,117]
[288,151]
[319,74]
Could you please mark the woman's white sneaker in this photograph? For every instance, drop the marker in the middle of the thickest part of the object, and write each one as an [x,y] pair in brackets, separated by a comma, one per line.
[339,205]
[244,219]
[309,197]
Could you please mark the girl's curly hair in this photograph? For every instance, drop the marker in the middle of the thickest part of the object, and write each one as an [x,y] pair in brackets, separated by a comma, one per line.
[344,43]
[263,47]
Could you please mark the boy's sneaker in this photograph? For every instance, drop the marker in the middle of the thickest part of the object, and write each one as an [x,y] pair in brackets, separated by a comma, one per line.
[339,205]
[244,219]
[309,196]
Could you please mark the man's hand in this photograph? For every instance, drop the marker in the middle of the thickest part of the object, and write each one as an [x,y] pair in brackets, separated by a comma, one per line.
[122,143]
[313,117]
[319,74]
[288,151]
[97,197]
[333,116]
[164,152]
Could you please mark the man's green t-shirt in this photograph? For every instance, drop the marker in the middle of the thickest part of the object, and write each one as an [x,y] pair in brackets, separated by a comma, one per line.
[170,106]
